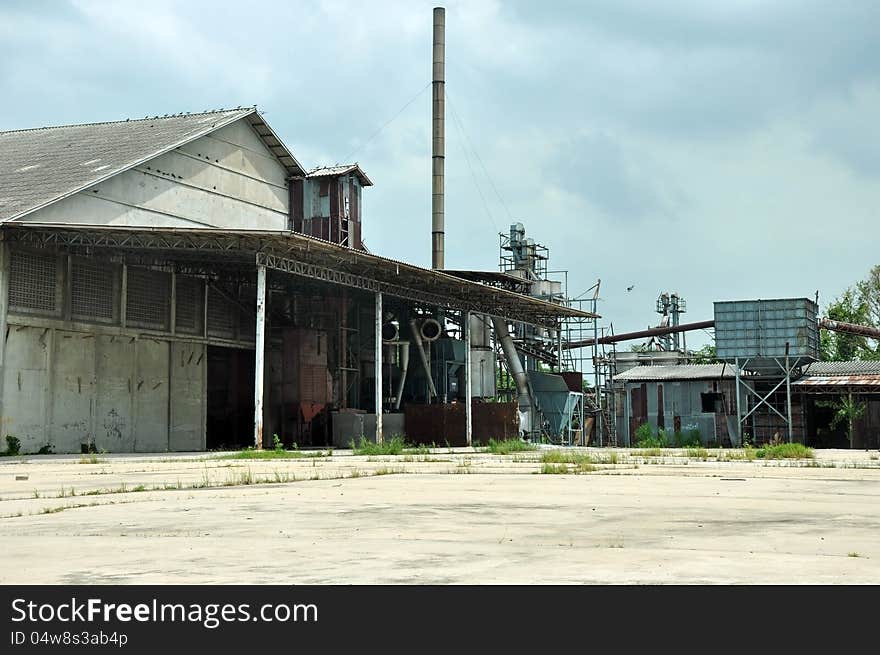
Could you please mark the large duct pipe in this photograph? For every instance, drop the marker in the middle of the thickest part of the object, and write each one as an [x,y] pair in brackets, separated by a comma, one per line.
[438,145]
[430,329]
[849,328]
[651,332]
[404,366]
[514,363]
[420,346]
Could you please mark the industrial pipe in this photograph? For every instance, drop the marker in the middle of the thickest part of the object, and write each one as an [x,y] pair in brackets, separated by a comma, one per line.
[420,346]
[651,332]
[438,146]
[430,329]
[513,363]
[849,328]
[404,366]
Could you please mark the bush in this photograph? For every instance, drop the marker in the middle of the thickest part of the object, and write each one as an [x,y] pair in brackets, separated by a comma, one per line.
[392,446]
[689,439]
[46,450]
[645,437]
[13,445]
[785,451]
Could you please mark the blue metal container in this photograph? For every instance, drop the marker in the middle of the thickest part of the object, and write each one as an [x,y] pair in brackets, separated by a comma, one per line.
[758,331]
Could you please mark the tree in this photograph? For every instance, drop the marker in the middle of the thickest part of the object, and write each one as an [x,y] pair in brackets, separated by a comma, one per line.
[846,412]
[705,355]
[851,307]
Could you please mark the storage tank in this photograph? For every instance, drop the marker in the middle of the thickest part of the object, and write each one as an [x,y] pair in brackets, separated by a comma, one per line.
[758,331]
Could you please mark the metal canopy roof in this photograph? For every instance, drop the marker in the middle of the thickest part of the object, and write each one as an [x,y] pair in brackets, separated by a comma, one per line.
[300,255]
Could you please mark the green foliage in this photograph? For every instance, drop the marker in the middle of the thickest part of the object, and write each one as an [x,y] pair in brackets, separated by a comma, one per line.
[276,442]
[554,469]
[846,412]
[645,437]
[565,457]
[785,451]
[705,355]
[853,306]
[393,446]
[277,453]
[13,445]
[46,449]
[508,446]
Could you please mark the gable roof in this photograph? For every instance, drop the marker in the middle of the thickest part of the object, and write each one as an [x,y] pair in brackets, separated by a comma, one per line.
[340,169]
[42,165]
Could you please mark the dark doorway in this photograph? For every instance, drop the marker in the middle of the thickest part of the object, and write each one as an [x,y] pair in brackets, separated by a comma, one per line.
[230,422]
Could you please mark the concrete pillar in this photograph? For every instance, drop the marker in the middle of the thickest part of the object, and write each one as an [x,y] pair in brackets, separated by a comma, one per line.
[378,367]
[4,310]
[260,353]
[468,408]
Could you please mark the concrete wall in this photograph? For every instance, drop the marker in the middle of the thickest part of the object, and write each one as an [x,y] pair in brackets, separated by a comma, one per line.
[226,179]
[121,392]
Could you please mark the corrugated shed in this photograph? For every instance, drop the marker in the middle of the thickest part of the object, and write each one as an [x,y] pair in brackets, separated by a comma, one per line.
[679,372]
[43,165]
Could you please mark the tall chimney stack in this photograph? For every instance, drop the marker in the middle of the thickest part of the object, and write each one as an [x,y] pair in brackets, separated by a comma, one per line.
[438,142]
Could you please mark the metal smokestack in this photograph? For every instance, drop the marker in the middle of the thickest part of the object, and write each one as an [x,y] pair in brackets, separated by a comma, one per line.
[438,141]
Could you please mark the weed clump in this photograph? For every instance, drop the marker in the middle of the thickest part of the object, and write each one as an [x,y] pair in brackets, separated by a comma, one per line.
[508,446]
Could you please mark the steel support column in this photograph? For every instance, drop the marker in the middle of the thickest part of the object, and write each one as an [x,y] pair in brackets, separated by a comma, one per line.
[788,393]
[468,409]
[259,368]
[378,367]
[739,432]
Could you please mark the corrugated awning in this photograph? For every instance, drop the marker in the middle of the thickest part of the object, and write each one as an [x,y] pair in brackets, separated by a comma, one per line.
[301,255]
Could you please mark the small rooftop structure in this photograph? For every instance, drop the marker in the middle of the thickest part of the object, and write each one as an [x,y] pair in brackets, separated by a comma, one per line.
[339,170]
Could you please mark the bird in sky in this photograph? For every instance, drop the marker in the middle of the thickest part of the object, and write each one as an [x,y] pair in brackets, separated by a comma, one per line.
[631,287]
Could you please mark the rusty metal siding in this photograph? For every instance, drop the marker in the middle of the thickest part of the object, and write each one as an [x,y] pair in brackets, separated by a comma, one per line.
[297,204]
[445,424]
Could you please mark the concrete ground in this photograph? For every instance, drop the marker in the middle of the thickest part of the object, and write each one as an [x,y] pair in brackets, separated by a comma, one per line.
[444,517]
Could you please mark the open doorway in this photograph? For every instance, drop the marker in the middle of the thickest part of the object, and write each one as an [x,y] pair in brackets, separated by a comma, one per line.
[230,423]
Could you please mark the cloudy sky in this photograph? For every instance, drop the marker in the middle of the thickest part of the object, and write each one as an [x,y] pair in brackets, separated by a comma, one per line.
[723,150]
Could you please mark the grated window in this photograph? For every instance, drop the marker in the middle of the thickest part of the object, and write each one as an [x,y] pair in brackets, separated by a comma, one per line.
[148,299]
[221,315]
[33,283]
[247,320]
[190,302]
[92,295]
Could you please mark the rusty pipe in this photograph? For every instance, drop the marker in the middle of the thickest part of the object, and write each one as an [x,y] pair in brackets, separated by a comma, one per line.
[849,328]
[650,332]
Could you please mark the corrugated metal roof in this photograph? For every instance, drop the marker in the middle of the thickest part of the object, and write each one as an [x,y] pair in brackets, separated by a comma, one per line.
[340,169]
[679,372]
[853,373]
[854,367]
[42,165]
[838,381]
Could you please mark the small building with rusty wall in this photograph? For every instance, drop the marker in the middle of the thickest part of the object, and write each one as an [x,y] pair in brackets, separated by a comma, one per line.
[163,287]
[678,398]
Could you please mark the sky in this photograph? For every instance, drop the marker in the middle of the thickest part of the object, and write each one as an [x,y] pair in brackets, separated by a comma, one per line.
[722,150]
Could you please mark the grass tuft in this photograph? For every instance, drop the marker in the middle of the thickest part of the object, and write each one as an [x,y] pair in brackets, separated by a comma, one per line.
[785,451]
[393,446]
[251,453]
[508,446]
[554,469]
